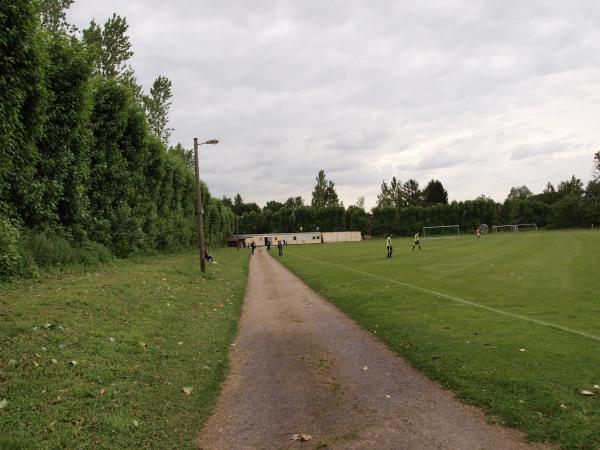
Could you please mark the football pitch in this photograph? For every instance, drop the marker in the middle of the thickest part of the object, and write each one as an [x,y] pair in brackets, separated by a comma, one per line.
[510,323]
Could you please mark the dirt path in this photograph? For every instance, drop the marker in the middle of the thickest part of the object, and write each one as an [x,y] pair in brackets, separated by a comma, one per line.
[297,366]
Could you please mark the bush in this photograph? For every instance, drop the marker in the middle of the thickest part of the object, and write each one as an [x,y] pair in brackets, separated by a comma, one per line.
[48,249]
[12,259]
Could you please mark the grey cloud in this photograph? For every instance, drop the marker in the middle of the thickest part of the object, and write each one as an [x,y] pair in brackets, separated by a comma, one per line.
[468,92]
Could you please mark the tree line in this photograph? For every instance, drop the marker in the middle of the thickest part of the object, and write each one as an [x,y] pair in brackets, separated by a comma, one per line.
[85,169]
[404,208]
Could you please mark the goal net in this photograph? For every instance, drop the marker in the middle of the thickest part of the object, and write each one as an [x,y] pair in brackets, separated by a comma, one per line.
[527,227]
[504,228]
[484,228]
[440,231]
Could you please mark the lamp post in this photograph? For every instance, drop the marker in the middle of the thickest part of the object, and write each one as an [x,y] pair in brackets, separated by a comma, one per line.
[200,212]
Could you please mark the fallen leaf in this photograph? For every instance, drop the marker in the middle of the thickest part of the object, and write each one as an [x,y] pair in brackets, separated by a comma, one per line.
[521,349]
[102,391]
[136,423]
[111,339]
[54,361]
[597,386]
[3,403]
[300,437]
[365,368]
[36,364]
[563,406]
[180,343]
[73,362]
[143,344]
[187,390]
[388,396]
[588,393]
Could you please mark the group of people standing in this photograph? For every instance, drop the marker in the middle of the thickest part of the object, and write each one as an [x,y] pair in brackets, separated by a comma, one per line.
[390,247]
[268,244]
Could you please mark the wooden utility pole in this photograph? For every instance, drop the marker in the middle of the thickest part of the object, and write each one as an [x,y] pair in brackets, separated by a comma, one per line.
[199,208]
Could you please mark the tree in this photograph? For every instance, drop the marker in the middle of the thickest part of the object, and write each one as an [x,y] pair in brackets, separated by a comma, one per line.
[520,192]
[53,14]
[434,193]
[391,196]
[294,202]
[360,202]
[324,194]
[227,202]
[109,47]
[411,193]
[273,206]
[597,166]
[238,205]
[157,106]
[185,154]
[572,187]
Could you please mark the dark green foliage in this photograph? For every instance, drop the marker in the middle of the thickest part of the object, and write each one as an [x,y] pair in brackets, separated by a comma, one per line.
[434,193]
[81,175]
[324,194]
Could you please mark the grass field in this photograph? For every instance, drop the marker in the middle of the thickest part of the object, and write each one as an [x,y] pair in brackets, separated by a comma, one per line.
[100,359]
[510,323]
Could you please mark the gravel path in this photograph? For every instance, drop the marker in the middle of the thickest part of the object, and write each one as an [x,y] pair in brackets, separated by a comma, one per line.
[299,365]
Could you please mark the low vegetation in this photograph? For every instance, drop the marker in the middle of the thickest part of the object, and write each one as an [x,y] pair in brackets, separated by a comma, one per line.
[131,355]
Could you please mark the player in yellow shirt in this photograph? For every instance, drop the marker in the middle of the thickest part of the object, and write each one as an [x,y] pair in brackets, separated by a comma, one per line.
[389,247]
[417,242]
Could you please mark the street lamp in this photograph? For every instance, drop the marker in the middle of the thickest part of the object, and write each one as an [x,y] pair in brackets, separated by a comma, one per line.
[200,212]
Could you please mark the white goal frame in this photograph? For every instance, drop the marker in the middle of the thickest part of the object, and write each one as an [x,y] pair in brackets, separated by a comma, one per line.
[484,228]
[527,227]
[503,228]
[424,232]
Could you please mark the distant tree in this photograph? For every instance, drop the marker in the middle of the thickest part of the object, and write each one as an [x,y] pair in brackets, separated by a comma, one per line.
[597,166]
[572,187]
[185,154]
[294,202]
[109,47]
[592,192]
[391,196]
[434,193]
[324,194]
[521,192]
[411,193]
[360,202]
[548,195]
[227,202]
[238,205]
[273,206]
[157,105]
[53,14]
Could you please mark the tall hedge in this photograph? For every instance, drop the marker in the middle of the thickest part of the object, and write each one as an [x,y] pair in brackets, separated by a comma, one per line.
[78,165]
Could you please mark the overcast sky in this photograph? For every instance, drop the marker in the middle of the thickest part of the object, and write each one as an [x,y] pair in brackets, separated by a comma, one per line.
[482,95]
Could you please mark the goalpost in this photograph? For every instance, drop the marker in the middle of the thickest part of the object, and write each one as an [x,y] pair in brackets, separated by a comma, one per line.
[527,227]
[505,228]
[441,231]
[484,228]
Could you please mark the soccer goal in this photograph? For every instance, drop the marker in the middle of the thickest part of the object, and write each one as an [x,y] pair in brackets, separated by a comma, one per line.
[441,231]
[527,227]
[484,228]
[505,228]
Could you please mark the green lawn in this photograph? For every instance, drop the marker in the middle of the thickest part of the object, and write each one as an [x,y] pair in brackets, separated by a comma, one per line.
[100,359]
[511,322]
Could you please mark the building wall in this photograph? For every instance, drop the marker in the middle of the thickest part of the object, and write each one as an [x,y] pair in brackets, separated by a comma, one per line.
[341,236]
[290,238]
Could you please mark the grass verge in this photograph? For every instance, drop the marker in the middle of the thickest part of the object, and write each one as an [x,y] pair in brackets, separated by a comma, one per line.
[529,374]
[101,359]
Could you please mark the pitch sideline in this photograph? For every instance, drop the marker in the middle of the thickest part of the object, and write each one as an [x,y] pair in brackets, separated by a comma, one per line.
[457,299]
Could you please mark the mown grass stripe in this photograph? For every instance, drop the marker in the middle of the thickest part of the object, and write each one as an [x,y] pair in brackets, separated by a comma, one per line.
[457,299]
